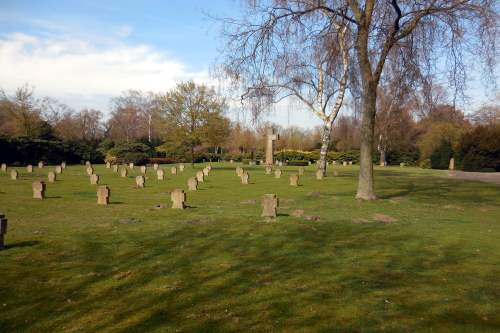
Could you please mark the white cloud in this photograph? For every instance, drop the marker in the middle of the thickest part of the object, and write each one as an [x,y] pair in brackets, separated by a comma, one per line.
[79,73]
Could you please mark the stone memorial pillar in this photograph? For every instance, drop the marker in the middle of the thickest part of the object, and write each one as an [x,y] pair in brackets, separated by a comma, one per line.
[271,137]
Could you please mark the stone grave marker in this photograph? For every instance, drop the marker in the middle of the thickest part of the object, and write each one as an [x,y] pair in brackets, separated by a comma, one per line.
[103,194]
[58,170]
[270,205]
[309,163]
[344,163]
[269,169]
[40,165]
[192,184]
[115,168]
[4,167]
[239,171]
[63,165]
[178,198]
[402,164]
[206,172]
[3,230]
[29,168]
[319,174]
[14,174]
[334,162]
[350,162]
[140,181]
[38,189]
[155,166]
[181,167]
[200,176]
[271,137]
[301,171]
[131,166]
[51,176]
[294,180]
[277,173]
[173,170]
[123,172]
[87,163]
[94,179]
[245,177]
[231,161]
[108,165]
[160,174]
[90,170]
[451,166]
[143,169]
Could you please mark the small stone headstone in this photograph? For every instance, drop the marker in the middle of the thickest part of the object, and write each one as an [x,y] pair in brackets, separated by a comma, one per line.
[140,181]
[277,173]
[301,171]
[269,169]
[192,184]
[14,174]
[155,166]
[280,163]
[90,170]
[309,163]
[402,164]
[200,176]
[63,165]
[38,190]
[143,169]
[51,177]
[131,166]
[350,162]
[451,166]
[3,230]
[181,167]
[239,171]
[178,198]
[108,165]
[87,163]
[245,177]
[334,162]
[344,163]
[40,165]
[206,172]
[319,174]
[173,170]
[231,161]
[4,167]
[58,169]
[160,174]
[29,168]
[115,168]
[270,204]
[94,179]
[103,194]
[294,180]
[123,172]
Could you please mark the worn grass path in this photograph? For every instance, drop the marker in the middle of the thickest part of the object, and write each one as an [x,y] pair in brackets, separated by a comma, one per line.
[73,266]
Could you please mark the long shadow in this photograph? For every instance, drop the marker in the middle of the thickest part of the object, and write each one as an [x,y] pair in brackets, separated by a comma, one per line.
[20,244]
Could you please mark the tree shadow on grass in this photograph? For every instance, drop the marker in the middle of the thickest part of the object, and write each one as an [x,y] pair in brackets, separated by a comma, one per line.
[20,245]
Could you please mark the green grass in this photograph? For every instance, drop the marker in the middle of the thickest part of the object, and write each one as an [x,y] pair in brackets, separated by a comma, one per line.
[71,266]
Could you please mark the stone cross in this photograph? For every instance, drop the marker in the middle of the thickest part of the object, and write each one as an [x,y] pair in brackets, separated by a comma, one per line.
[181,167]
[277,173]
[103,194]
[51,176]
[123,172]
[301,171]
[131,165]
[40,165]
[178,198]
[245,177]
[269,169]
[271,137]
[115,168]
[3,230]
[108,165]
[200,176]
[239,171]
[192,184]
[14,174]
[90,170]
[155,166]
[143,169]
[451,166]
[206,172]
[94,179]
[4,167]
[294,180]
[319,174]
[270,205]
[173,170]
[160,174]
[63,165]
[140,181]
[38,190]
[58,169]
[29,168]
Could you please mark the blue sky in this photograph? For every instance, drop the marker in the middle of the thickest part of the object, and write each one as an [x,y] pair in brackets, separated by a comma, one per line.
[85,52]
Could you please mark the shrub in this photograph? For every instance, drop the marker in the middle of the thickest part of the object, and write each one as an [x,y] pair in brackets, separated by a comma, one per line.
[425,164]
[129,152]
[440,158]
[298,163]
[161,160]
[341,156]
[407,157]
[480,149]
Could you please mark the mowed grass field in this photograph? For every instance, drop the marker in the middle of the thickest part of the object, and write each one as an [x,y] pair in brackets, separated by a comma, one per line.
[73,266]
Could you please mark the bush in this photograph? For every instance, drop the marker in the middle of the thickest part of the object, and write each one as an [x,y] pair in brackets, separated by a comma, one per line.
[440,158]
[344,156]
[129,152]
[161,160]
[425,164]
[480,149]
[407,157]
[298,163]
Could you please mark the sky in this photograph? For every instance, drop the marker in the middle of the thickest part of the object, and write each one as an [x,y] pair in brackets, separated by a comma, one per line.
[83,53]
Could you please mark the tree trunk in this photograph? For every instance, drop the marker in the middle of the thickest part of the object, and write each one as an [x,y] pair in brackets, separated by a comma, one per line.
[365,181]
[325,142]
[192,156]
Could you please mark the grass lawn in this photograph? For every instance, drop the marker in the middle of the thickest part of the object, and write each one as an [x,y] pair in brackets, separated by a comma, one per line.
[73,266]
